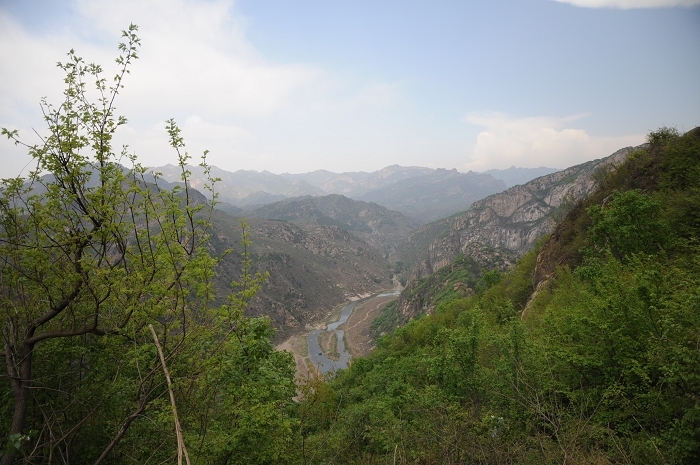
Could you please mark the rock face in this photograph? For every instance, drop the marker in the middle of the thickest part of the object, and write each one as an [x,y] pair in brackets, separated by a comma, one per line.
[418,296]
[513,219]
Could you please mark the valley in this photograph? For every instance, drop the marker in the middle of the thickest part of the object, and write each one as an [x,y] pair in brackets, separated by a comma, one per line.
[241,306]
[344,335]
[323,251]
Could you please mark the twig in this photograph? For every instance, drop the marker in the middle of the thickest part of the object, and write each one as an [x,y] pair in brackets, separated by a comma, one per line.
[181,449]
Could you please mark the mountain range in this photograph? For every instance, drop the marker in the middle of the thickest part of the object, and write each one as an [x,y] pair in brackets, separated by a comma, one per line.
[423,194]
[321,250]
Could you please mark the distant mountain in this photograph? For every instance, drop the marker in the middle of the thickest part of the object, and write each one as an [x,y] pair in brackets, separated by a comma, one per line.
[514,176]
[421,193]
[435,195]
[243,187]
[378,226]
[355,184]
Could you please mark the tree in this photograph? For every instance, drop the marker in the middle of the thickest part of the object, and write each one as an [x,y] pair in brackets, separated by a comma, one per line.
[630,223]
[91,255]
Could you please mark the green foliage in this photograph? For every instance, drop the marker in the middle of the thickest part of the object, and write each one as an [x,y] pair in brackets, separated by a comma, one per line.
[91,255]
[389,318]
[604,368]
[662,136]
[629,223]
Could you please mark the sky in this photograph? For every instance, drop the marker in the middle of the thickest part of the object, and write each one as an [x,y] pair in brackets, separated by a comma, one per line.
[296,86]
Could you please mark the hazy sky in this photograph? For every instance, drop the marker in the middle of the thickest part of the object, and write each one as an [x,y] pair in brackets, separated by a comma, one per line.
[296,86]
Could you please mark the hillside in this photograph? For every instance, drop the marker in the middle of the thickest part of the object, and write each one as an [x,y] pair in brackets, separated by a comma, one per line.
[436,195]
[602,365]
[312,268]
[378,226]
[512,219]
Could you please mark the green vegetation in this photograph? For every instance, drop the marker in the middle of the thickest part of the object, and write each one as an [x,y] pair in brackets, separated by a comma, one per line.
[389,318]
[604,367]
[114,348]
[119,348]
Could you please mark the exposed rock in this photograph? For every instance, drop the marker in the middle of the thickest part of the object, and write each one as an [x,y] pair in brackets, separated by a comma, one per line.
[516,218]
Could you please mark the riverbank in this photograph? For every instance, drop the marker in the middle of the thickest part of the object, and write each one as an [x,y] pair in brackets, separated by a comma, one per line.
[354,334]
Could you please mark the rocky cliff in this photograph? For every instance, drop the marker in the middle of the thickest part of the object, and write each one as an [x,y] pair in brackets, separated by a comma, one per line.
[491,234]
[511,220]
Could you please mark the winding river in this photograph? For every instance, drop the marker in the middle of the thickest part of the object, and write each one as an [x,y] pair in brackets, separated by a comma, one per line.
[317,356]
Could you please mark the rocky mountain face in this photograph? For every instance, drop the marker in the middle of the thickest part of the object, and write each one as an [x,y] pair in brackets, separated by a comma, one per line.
[380,227]
[513,176]
[435,195]
[459,275]
[511,221]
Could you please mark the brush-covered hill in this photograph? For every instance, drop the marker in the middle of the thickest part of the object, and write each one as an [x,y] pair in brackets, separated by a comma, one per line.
[378,226]
[312,269]
[595,361]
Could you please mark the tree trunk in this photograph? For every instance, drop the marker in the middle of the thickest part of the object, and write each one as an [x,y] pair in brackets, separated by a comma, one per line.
[20,382]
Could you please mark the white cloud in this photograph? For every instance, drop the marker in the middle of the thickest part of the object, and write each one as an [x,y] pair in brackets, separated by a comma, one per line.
[195,58]
[537,141]
[631,4]
[195,65]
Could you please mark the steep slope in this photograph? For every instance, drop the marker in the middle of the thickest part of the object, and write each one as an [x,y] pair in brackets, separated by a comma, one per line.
[604,367]
[512,219]
[435,195]
[378,226]
[312,268]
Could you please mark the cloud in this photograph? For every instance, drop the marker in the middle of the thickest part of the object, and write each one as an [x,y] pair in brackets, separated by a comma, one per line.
[196,65]
[537,141]
[195,58]
[631,4]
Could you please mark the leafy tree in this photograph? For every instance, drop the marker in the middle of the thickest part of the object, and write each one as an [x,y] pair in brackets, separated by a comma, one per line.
[96,260]
[629,223]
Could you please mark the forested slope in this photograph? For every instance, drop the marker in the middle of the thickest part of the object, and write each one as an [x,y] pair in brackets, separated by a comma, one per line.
[603,367]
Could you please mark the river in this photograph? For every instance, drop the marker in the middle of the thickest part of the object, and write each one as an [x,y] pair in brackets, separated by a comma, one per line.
[316,355]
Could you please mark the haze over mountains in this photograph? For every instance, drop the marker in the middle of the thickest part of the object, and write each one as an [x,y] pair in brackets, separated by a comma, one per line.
[423,194]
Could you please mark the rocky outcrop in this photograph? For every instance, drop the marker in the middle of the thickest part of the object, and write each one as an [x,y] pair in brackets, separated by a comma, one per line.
[516,218]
